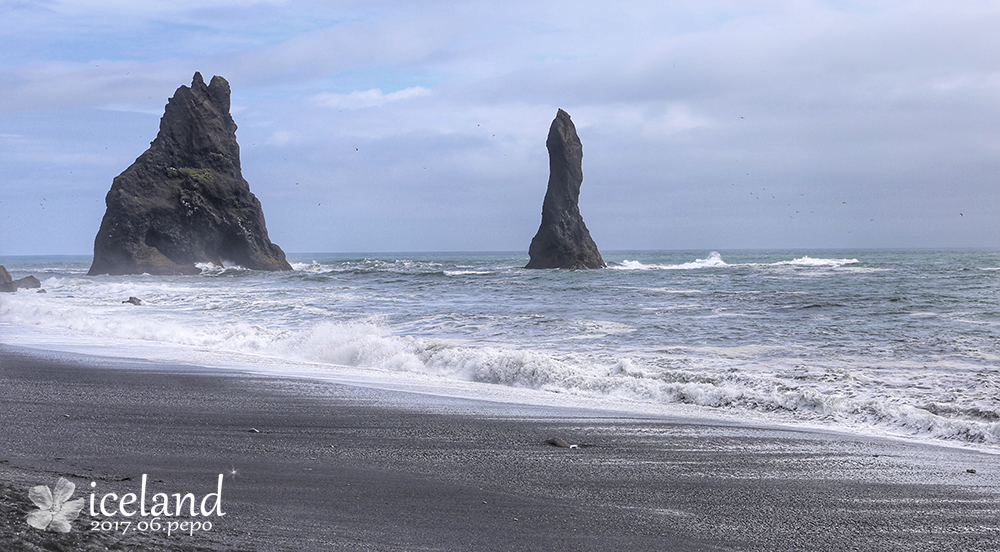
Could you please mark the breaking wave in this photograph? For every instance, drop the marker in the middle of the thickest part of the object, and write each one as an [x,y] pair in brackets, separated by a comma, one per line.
[811,262]
[714,260]
[766,333]
[696,379]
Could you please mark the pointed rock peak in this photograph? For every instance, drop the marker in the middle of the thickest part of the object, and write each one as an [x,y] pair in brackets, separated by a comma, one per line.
[563,240]
[220,83]
[184,200]
[564,130]
[563,123]
[219,91]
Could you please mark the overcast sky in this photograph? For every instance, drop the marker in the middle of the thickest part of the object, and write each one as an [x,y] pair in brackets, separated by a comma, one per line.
[420,126]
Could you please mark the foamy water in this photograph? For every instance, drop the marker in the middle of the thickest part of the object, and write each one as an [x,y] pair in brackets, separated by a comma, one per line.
[895,342]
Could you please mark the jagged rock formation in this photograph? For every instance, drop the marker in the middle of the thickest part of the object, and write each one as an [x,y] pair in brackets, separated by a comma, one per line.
[184,200]
[9,285]
[563,240]
[28,282]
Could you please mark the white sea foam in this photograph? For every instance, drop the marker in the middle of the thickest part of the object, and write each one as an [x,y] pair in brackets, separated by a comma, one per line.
[214,269]
[733,341]
[807,261]
[312,267]
[714,260]
[209,267]
[706,383]
[400,266]
[626,378]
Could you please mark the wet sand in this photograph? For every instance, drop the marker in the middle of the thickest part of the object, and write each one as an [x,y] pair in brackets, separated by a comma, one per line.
[311,465]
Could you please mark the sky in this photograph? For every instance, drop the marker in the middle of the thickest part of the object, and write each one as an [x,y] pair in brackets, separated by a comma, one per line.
[385,126]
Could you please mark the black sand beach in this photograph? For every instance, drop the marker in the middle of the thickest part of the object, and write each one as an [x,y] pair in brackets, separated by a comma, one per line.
[319,466]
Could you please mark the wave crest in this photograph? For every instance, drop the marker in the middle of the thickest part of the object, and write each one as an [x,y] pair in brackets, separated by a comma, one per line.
[807,261]
[714,260]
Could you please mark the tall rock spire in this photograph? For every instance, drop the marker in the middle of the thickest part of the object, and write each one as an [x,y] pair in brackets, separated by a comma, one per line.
[184,200]
[563,240]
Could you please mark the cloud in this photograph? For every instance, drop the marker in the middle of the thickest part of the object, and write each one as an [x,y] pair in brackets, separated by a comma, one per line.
[368,98]
[102,53]
[684,108]
[100,83]
[281,138]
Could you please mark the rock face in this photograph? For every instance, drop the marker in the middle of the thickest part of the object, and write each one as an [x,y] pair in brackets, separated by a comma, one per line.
[184,200]
[563,240]
[7,284]
[28,282]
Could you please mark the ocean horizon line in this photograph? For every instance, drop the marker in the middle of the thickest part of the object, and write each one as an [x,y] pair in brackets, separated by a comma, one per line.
[609,251]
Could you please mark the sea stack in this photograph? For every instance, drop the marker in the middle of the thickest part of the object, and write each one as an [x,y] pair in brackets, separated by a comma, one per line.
[184,200]
[563,240]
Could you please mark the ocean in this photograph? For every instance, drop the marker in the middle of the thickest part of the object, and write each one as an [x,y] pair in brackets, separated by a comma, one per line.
[899,343]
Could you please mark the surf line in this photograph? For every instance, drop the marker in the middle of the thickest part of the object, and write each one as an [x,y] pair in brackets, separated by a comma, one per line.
[161,504]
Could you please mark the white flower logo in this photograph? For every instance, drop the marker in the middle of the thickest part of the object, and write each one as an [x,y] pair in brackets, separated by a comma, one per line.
[54,513]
